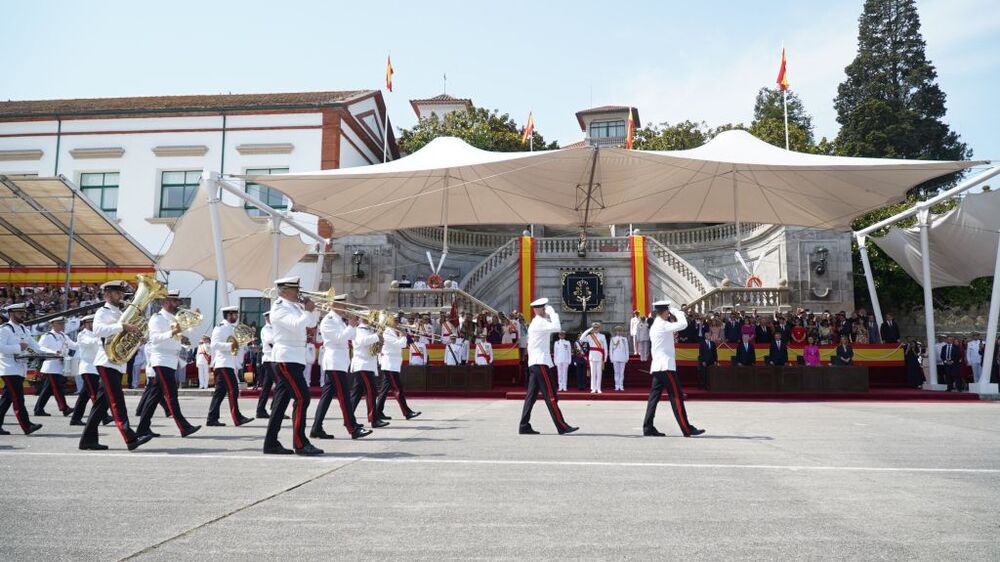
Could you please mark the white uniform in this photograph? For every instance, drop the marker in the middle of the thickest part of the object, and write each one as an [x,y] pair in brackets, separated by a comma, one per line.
[363,360]
[662,339]
[619,357]
[56,342]
[11,336]
[596,357]
[267,343]
[563,356]
[107,324]
[222,349]
[201,360]
[539,332]
[453,353]
[974,359]
[418,353]
[484,353]
[164,348]
[336,352]
[391,357]
[88,344]
[639,331]
[138,363]
[289,322]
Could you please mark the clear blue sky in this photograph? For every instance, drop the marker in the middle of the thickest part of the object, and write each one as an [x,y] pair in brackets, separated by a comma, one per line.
[673,60]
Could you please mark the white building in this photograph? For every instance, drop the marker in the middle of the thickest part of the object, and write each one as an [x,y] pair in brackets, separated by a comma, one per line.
[140,159]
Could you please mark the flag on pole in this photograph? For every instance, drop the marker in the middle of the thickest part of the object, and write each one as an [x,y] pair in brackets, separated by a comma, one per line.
[631,130]
[529,128]
[388,73]
[782,73]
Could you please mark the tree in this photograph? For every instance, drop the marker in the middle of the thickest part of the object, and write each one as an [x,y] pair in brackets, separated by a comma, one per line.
[679,136]
[889,105]
[481,128]
[769,122]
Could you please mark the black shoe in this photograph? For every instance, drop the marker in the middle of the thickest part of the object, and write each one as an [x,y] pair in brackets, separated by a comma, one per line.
[309,451]
[67,412]
[653,432]
[361,432]
[243,420]
[215,423]
[76,422]
[139,441]
[413,415]
[4,431]
[44,414]
[527,431]
[568,430]
[695,431]
[263,415]
[190,431]
[150,434]
[93,447]
[385,417]
[33,428]
[107,420]
[379,423]
[319,435]
[277,449]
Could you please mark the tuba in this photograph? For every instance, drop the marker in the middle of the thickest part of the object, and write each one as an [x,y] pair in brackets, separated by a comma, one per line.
[123,345]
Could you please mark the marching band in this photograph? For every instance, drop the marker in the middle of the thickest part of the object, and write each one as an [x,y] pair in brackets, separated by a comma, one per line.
[361,348]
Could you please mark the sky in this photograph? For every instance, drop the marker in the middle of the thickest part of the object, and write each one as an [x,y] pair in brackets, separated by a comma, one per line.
[702,61]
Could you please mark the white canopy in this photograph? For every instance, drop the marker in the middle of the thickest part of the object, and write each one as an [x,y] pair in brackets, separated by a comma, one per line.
[733,177]
[962,243]
[247,246]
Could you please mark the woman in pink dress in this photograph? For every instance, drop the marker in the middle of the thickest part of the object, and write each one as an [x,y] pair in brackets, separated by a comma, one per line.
[811,353]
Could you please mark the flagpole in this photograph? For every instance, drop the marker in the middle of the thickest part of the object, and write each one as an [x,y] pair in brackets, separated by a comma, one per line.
[784,98]
[385,127]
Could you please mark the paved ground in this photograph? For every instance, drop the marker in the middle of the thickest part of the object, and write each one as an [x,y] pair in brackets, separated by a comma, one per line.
[769,481]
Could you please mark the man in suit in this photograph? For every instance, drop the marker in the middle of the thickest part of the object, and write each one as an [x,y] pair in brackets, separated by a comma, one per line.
[745,353]
[951,358]
[778,354]
[732,329]
[889,330]
[874,332]
[844,355]
[708,356]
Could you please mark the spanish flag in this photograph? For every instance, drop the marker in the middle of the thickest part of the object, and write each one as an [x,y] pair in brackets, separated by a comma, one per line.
[631,130]
[529,128]
[782,73]
[388,73]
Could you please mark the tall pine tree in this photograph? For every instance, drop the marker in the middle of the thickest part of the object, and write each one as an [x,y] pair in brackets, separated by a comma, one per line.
[890,106]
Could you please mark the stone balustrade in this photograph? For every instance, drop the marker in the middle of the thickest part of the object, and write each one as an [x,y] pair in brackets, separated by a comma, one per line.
[501,257]
[433,300]
[764,299]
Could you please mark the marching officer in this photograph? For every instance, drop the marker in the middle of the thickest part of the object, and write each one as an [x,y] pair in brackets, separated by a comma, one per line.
[290,320]
[106,324]
[15,338]
[266,375]
[335,362]
[57,342]
[544,323]
[664,367]
[87,344]
[363,365]
[390,361]
[164,353]
[225,362]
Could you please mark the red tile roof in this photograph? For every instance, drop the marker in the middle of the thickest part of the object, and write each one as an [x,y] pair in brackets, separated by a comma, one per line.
[442,99]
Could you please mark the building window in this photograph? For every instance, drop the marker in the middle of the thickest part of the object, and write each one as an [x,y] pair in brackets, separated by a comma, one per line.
[177,190]
[102,189]
[607,129]
[267,195]
[252,311]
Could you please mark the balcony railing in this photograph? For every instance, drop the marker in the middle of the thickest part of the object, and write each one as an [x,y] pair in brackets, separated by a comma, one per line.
[764,299]
[433,300]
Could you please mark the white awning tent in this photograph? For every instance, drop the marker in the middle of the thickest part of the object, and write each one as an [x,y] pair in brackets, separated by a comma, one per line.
[735,177]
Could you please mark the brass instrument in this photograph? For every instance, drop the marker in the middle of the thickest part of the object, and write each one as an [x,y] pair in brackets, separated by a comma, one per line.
[186,319]
[123,345]
[242,335]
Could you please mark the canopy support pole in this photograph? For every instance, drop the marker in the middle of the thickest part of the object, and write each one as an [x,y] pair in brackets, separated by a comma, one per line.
[869,278]
[69,251]
[923,219]
[211,182]
[736,213]
[590,191]
[275,245]
[271,211]
[989,357]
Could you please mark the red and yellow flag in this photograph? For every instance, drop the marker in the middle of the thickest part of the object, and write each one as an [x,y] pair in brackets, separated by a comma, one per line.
[782,73]
[526,275]
[631,130]
[640,275]
[529,128]
[388,73]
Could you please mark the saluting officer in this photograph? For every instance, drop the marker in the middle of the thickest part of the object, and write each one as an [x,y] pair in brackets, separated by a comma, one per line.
[363,365]
[225,361]
[290,320]
[106,324]
[57,342]
[266,375]
[15,338]
[664,367]
[543,325]
[335,362]
[390,361]
[87,344]
[164,353]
